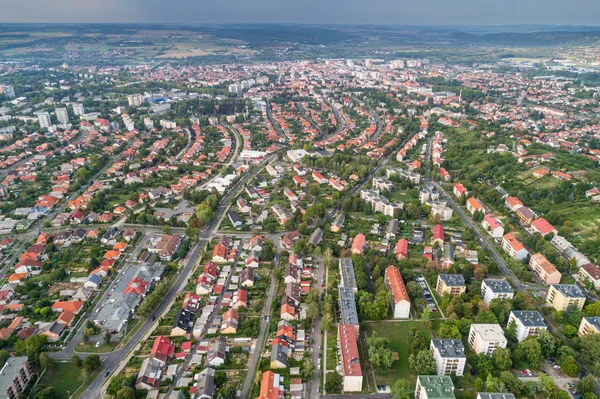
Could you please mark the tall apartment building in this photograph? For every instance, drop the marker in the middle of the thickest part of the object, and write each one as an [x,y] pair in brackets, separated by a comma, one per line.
[135,100]
[486,338]
[529,323]
[562,296]
[453,284]
[496,289]
[14,377]
[44,120]
[62,115]
[449,355]
[349,358]
[78,109]
[8,91]
[589,325]
[434,387]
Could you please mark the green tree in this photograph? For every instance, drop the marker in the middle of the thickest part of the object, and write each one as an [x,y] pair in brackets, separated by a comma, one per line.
[77,360]
[586,384]
[502,359]
[308,369]
[126,393]
[530,351]
[590,352]
[45,393]
[548,343]
[380,355]
[333,383]
[107,338]
[46,361]
[422,362]
[91,363]
[401,389]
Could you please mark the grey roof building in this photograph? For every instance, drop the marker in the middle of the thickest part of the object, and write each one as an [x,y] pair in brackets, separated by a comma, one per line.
[449,347]
[348,313]
[453,280]
[14,377]
[348,279]
[316,236]
[205,387]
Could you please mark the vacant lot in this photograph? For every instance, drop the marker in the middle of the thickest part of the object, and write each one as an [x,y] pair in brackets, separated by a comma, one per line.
[397,333]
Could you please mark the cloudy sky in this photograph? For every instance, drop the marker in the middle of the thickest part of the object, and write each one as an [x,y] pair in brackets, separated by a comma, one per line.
[422,12]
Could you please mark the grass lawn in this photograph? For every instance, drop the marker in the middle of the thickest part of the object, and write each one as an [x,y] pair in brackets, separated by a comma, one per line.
[397,333]
[91,347]
[65,378]
[331,351]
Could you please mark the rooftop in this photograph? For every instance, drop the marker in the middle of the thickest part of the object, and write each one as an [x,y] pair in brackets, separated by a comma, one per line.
[489,332]
[569,290]
[498,285]
[437,386]
[529,318]
[449,347]
[348,312]
[453,280]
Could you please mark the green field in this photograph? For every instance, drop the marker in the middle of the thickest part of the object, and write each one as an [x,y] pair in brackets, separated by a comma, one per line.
[397,333]
[65,378]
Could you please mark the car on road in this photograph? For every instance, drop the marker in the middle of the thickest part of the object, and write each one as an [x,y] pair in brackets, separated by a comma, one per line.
[529,373]
[525,373]
[107,373]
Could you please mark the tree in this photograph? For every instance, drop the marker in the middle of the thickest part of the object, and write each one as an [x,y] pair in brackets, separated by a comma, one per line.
[107,338]
[416,342]
[590,352]
[126,393]
[569,366]
[46,361]
[547,384]
[380,355]
[422,362]
[401,389]
[502,358]
[548,343]
[333,383]
[308,369]
[530,351]
[77,360]
[91,363]
[228,393]
[45,393]
[586,384]
[592,310]
[31,347]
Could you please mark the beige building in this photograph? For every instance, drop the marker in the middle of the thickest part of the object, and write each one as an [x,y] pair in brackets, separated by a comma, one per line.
[486,338]
[589,325]
[561,296]
[453,284]
[545,271]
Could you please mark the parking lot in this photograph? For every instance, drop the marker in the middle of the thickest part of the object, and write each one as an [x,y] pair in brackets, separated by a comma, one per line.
[431,303]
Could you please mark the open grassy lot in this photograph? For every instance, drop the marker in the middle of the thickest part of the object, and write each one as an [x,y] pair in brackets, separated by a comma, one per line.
[397,333]
[65,378]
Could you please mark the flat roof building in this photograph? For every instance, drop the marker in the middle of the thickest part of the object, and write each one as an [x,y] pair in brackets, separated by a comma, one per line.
[449,355]
[453,284]
[529,323]
[348,313]
[486,338]
[348,279]
[496,289]
[561,296]
[434,387]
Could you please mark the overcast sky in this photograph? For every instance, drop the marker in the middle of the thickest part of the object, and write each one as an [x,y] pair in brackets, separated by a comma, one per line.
[400,12]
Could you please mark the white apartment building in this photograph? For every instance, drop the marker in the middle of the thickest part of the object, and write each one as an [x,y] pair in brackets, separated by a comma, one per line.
[486,338]
[449,355]
[496,289]
[529,323]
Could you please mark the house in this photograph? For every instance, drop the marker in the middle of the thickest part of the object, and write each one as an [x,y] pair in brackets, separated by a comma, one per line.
[271,386]
[240,299]
[71,306]
[163,349]
[221,250]
[217,352]
[205,385]
[474,205]
[246,277]
[229,322]
[166,246]
[438,235]
[279,353]
[243,206]
[486,338]
[288,312]
[513,247]
[191,302]
[590,273]
[400,301]
[291,274]
[338,223]
[492,225]
[150,375]
[316,237]
[496,289]
[183,323]
[542,227]
[318,177]
[358,244]
[434,387]
[349,359]
[545,271]
[459,190]
[563,296]
[448,253]
[453,284]
[401,250]
[589,325]
[234,218]
[449,355]
[529,323]
[392,229]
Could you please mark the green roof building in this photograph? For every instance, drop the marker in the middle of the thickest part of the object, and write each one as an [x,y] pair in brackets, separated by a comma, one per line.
[434,387]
